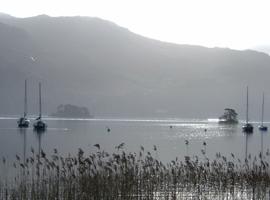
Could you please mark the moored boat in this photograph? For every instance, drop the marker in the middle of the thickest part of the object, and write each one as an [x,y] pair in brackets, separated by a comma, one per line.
[262,127]
[39,125]
[247,127]
[23,122]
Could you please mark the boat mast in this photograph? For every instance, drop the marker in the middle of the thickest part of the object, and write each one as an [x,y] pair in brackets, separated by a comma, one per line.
[247,107]
[39,100]
[262,109]
[25,98]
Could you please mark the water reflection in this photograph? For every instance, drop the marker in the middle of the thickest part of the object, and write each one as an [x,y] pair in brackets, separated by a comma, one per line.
[229,131]
[247,136]
[261,142]
[23,132]
[39,134]
[262,133]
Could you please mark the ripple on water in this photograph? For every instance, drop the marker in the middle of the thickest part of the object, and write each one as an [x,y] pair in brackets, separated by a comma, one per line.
[199,131]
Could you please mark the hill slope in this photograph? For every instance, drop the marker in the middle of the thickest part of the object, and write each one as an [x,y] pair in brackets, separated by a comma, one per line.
[116,73]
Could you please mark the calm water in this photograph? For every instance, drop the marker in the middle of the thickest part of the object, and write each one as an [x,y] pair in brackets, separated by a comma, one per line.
[69,135]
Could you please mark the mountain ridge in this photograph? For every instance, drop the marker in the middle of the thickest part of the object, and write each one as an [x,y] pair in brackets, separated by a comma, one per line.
[93,62]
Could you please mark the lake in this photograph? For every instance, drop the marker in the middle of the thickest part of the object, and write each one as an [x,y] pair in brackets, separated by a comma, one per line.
[169,135]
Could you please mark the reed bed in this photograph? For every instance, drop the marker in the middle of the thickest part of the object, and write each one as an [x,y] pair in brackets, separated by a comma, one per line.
[128,175]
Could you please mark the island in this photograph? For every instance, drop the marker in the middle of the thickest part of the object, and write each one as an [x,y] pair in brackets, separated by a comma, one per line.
[72,111]
[229,117]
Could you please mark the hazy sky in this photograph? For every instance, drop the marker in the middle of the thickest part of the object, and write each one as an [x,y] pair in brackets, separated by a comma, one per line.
[238,24]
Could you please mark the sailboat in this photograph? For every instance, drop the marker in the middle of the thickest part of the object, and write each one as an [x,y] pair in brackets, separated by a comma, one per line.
[39,125]
[23,122]
[262,127]
[247,128]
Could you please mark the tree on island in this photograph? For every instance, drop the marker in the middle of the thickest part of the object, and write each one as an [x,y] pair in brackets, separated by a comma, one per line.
[229,116]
